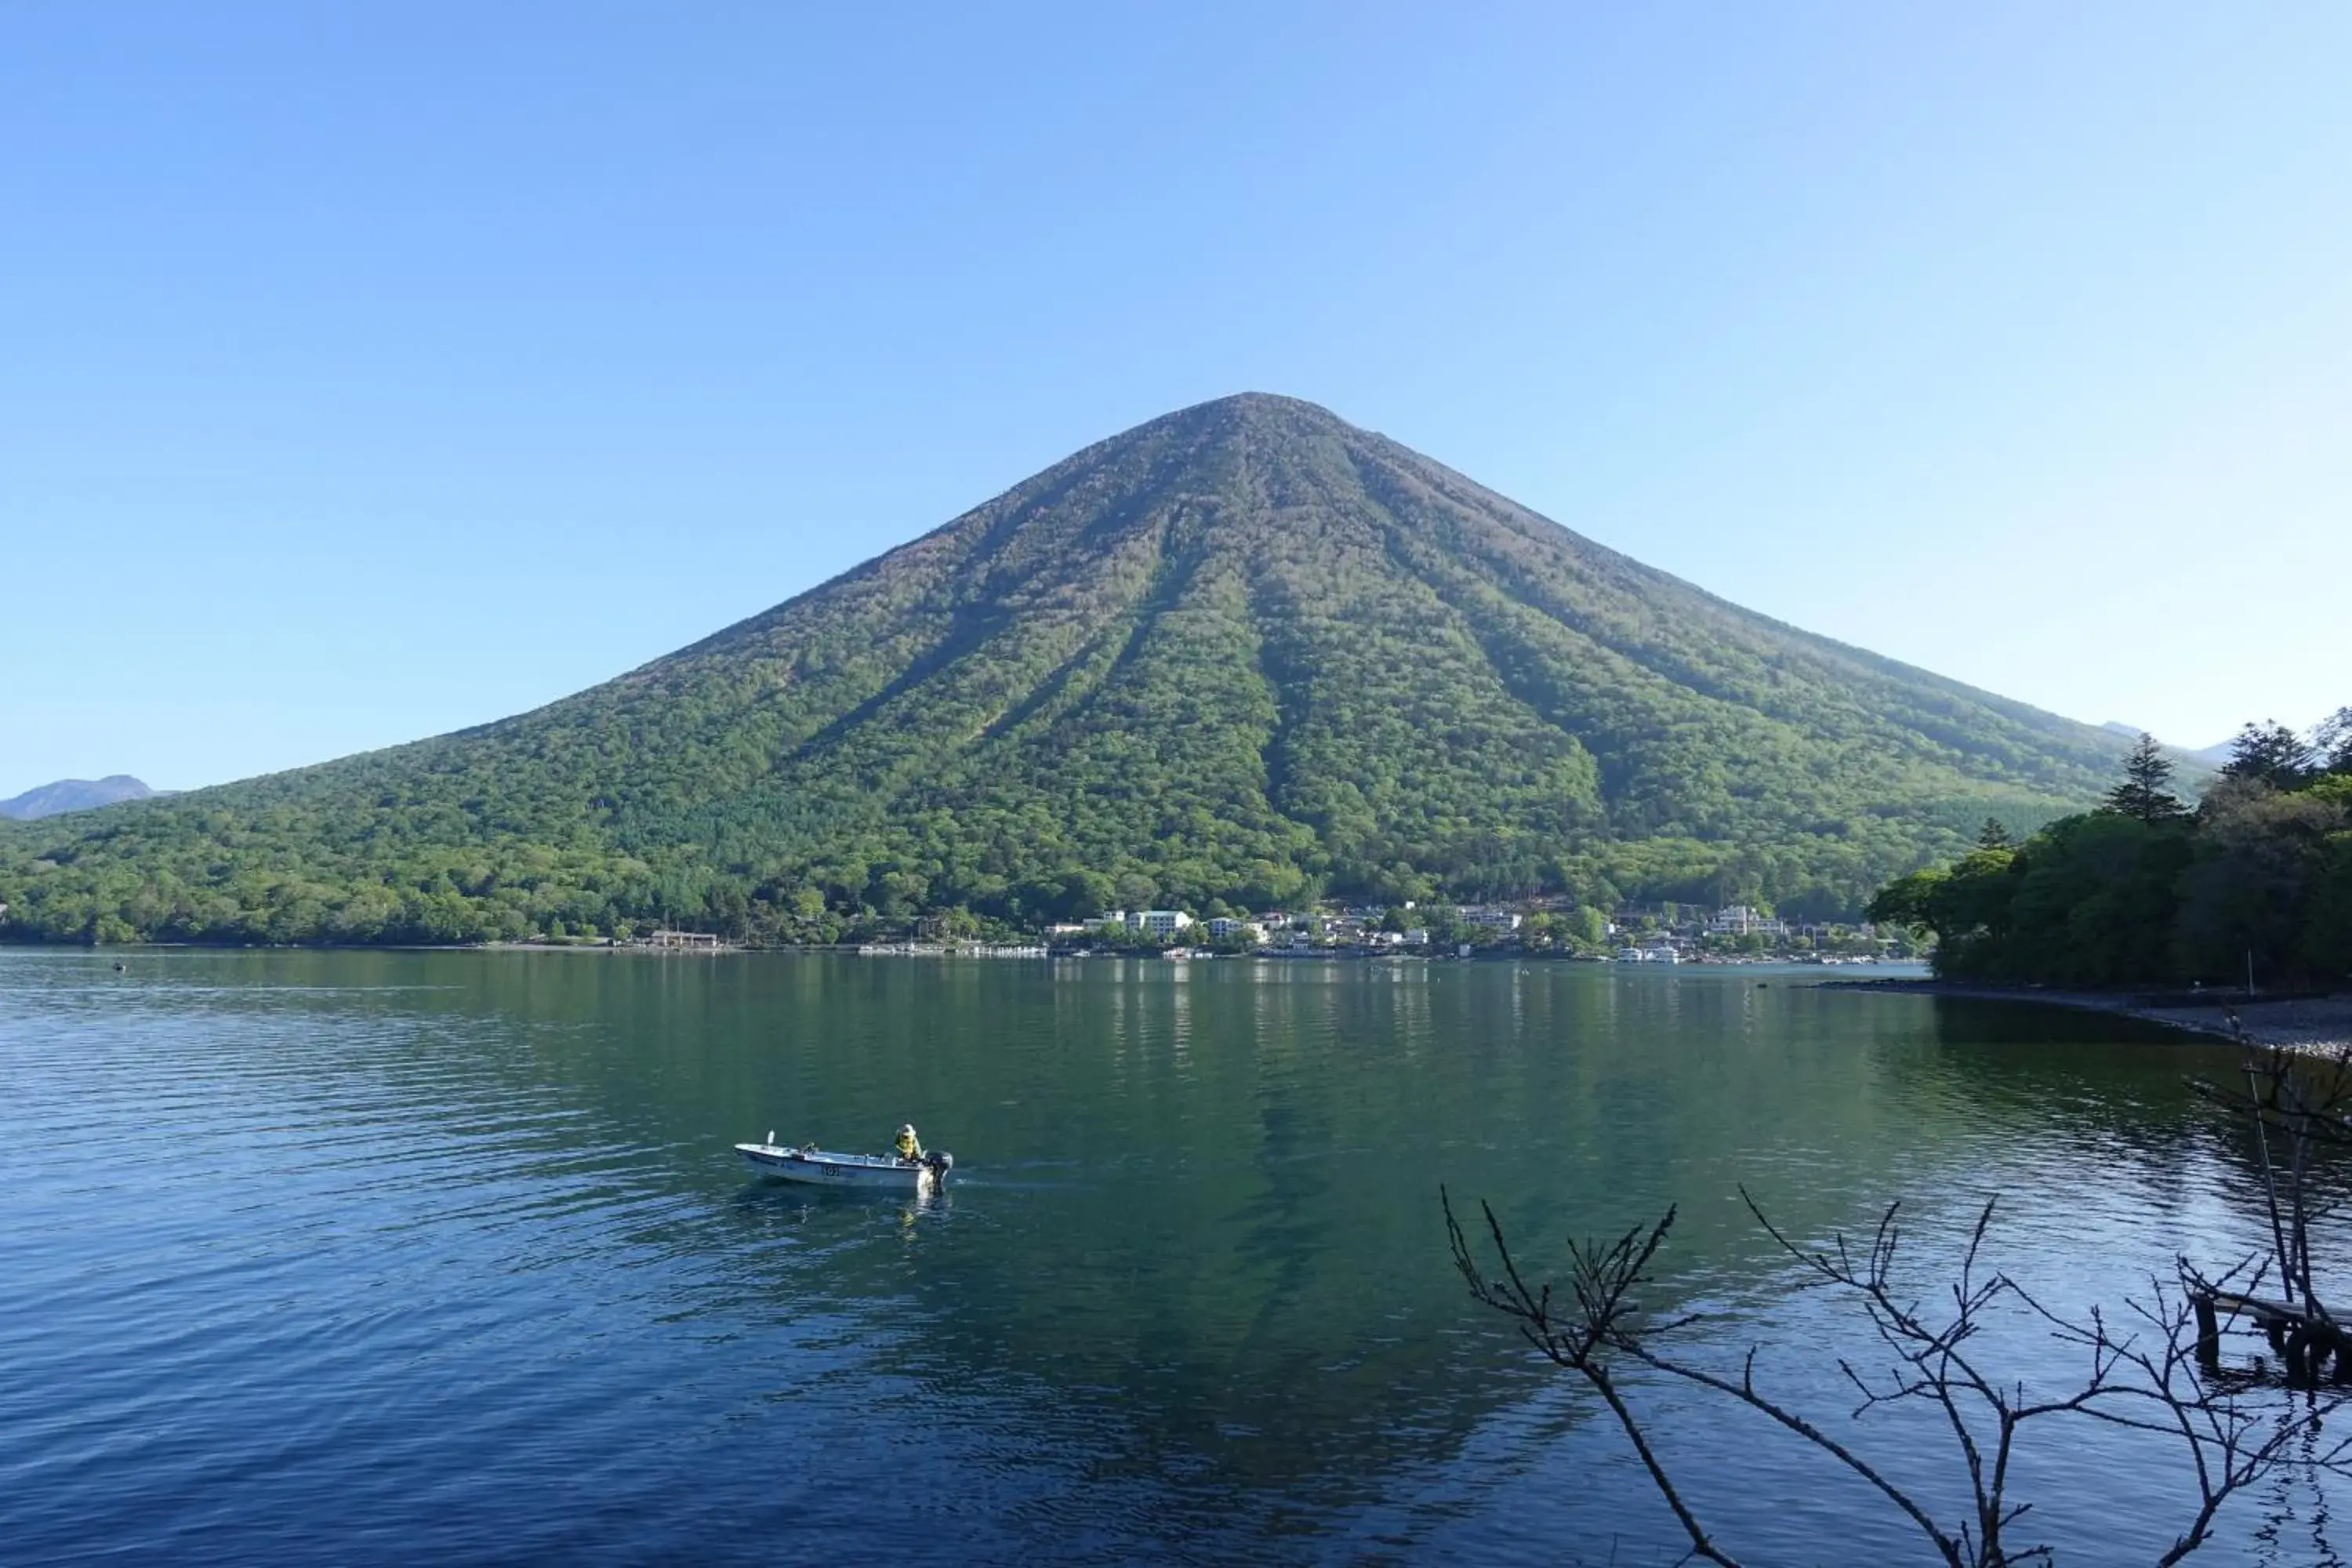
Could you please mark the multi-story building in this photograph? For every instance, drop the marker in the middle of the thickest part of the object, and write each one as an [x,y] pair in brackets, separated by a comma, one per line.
[1738,919]
[1159,922]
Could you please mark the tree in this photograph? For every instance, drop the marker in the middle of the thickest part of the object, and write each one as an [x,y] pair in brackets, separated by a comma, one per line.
[2094,902]
[1994,836]
[2272,752]
[2333,740]
[2151,1369]
[2299,1105]
[1444,924]
[2264,857]
[2145,890]
[2145,794]
[1969,907]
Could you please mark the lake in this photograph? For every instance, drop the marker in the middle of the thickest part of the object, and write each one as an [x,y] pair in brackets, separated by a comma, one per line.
[398,1256]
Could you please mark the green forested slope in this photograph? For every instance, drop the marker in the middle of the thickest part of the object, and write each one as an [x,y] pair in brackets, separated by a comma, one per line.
[1245,652]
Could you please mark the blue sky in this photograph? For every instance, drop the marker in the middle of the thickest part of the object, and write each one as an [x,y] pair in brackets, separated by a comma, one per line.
[369,371]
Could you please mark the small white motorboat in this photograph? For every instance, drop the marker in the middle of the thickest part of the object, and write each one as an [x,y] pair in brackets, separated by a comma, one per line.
[819,1167]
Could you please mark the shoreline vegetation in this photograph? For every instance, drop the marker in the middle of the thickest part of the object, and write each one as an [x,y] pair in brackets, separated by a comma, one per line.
[2249,892]
[2230,919]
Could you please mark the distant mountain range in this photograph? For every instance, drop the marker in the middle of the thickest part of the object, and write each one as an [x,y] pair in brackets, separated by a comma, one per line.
[2211,756]
[73,795]
[1243,654]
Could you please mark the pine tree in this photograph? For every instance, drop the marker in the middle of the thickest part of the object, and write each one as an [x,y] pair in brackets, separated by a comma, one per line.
[2334,740]
[2145,794]
[1994,836]
[2270,751]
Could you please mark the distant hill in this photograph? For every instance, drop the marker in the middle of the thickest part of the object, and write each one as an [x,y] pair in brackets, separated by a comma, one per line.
[73,795]
[2209,758]
[1246,652]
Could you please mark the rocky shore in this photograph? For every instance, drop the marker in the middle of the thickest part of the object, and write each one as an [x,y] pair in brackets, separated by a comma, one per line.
[2298,1023]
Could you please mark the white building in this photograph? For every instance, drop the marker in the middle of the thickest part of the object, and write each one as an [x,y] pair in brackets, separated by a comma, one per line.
[1738,919]
[1159,922]
[1493,920]
[1223,926]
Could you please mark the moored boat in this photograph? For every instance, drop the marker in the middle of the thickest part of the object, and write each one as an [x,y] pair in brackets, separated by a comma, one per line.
[823,1168]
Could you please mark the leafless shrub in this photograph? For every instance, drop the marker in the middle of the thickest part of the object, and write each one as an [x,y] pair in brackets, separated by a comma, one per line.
[2298,1105]
[2144,1371]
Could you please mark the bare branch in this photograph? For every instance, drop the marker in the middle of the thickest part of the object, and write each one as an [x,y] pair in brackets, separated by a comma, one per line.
[2143,1371]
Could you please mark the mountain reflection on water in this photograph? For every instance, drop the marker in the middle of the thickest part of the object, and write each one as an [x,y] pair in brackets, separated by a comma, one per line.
[389,1256]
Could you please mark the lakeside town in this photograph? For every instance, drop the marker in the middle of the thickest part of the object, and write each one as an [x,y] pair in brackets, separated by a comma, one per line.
[1651,933]
[1658,933]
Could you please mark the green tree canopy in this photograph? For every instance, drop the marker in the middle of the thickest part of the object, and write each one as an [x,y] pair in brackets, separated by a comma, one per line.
[2270,752]
[2333,740]
[2146,793]
[2258,878]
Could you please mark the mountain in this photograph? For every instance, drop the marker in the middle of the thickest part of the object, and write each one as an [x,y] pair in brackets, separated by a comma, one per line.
[1245,652]
[73,795]
[2201,759]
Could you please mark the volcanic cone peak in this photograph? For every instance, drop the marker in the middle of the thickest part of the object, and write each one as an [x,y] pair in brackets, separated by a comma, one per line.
[1245,652]
[1248,643]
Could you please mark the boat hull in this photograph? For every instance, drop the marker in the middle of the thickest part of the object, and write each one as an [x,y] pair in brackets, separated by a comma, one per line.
[819,1169]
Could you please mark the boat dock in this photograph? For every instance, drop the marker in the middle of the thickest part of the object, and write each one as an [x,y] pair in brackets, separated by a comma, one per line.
[2305,1337]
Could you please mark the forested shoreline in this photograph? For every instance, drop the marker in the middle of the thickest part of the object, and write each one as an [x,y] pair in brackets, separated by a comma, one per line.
[2251,887]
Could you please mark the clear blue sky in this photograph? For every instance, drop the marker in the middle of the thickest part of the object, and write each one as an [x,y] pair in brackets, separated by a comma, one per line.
[370,370]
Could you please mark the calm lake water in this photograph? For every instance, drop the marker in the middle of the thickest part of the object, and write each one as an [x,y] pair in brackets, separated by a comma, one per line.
[387,1257]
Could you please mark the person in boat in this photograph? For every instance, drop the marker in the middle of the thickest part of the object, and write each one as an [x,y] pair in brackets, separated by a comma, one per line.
[908,1146]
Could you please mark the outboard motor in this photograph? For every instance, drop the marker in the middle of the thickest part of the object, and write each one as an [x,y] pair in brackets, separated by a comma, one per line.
[939,1162]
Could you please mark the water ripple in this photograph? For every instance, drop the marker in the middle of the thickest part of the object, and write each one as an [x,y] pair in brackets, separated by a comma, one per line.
[378,1258]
